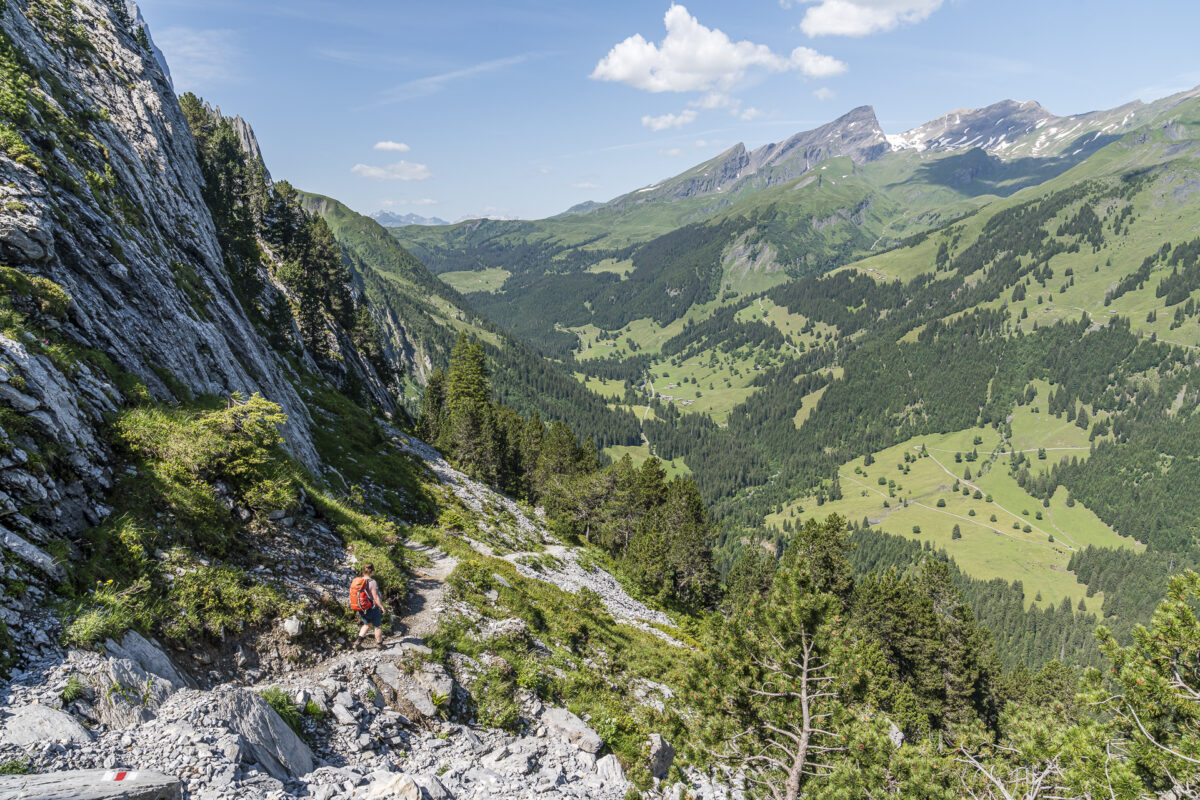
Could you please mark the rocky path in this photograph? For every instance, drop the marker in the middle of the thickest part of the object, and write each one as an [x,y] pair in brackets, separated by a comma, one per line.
[425,590]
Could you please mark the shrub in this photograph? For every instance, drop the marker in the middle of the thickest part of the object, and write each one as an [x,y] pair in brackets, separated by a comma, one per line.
[72,691]
[106,613]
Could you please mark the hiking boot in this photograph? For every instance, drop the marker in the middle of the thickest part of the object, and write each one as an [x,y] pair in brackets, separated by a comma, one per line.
[358,644]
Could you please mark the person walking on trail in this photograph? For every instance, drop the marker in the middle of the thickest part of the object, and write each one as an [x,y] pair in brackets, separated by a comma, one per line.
[367,605]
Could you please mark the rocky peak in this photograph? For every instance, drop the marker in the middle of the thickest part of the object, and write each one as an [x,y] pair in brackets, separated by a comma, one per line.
[246,138]
[856,134]
[989,128]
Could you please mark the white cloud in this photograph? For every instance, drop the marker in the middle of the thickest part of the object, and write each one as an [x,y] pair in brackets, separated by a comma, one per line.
[751,113]
[693,58]
[400,171]
[585,185]
[814,64]
[674,151]
[665,122]
[824,93]
[862,17]
[392,147]
[200,58]
[543,170]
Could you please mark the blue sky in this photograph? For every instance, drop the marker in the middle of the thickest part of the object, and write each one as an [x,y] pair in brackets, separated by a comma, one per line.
[488,107]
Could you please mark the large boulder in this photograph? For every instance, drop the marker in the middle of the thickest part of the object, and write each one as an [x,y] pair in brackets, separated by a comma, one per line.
[93,784]
[573,729]
[31,726]
[268,739]
[149,657]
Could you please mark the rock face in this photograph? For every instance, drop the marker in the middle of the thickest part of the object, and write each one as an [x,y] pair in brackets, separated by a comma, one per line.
[37,725]
[93,784]
[111,258]
[128,296]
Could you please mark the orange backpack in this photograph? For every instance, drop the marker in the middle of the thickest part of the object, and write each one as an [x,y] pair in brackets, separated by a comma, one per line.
[360,598]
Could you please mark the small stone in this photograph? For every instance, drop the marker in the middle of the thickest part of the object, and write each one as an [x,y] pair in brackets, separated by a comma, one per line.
[292,627]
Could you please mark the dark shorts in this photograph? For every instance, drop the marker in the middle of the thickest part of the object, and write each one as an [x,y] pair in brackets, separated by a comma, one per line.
[372,616]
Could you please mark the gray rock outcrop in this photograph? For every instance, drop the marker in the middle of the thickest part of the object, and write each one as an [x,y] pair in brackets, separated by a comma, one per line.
[149,657]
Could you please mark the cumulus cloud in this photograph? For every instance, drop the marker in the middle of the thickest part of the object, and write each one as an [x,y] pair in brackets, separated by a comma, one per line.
[666,122]
[862,17]
[392,147]
[824,93]
[400,171]
[693,58]
[751,113]
[585,185]
[814,64]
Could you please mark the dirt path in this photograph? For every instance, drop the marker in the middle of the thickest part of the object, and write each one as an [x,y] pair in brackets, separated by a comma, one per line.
[425,594]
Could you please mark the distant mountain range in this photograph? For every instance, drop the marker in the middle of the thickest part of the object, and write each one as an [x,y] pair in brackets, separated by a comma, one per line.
[389,220]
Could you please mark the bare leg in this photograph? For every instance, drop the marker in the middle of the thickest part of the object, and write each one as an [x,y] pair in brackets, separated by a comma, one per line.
[379,636]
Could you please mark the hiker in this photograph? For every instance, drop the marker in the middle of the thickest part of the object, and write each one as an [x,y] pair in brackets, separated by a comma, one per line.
[365,601]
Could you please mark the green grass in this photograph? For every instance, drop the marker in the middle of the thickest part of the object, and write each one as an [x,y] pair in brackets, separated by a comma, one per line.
[639,453]
[174,560]
[484,280]
[987,549]
[622,268]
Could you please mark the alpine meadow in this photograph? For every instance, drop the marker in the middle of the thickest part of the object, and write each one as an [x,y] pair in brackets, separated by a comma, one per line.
[859,459]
